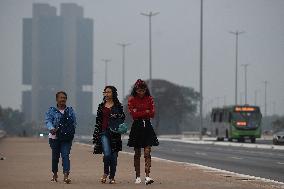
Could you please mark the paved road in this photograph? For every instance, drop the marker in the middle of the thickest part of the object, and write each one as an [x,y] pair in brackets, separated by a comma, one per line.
[265,163]
[255,162]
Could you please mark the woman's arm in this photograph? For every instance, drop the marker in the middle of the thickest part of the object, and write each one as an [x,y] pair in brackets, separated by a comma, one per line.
[133,110]
[73,115]
[98,125]
[151,111]
[49,117]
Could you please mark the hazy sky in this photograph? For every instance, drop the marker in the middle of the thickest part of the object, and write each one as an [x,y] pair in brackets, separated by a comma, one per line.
[175,46]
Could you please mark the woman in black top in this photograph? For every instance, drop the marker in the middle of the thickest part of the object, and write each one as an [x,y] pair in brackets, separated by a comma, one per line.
[106,141]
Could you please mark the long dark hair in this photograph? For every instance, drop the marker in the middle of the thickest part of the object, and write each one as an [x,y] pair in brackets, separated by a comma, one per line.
[114,95]
[140,84]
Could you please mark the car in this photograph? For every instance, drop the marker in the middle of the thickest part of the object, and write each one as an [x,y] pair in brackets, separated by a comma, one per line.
[278,137]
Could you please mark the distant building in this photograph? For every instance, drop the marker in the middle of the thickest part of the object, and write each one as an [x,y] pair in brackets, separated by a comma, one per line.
[57,55]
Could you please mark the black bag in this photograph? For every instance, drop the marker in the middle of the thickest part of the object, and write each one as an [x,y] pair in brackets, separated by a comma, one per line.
[66,128]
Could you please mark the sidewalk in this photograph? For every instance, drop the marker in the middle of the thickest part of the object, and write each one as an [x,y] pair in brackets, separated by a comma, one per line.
[27,166]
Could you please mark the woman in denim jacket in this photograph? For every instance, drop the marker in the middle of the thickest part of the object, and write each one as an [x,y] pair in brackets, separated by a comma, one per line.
[106,141]
[53,119]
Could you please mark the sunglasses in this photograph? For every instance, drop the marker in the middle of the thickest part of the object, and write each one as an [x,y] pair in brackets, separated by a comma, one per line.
[105,92]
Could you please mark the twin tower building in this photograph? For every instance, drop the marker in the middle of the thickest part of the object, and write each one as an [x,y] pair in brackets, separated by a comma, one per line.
[57,55]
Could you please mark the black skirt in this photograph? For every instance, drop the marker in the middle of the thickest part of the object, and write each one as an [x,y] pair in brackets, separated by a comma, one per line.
[142,134]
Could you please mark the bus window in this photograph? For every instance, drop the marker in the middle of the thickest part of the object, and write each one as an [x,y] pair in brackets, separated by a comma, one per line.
[225,116]
[246,116]
[220,117]
[230,117]
[214,117]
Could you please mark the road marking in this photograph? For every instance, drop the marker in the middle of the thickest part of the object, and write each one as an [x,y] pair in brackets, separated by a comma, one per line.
[237,158]
[281,163]
[201,153]
[210,171]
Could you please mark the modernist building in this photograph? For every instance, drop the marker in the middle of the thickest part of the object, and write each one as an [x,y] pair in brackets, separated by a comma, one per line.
[57,55]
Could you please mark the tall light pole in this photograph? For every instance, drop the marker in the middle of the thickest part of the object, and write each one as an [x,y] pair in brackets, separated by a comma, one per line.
[149,15]
[201,70]
[265,98]
[246,82]
[236,33]
[255,96]
[123,45]
[225,100]
[274,107]
[241,98]
[106,61]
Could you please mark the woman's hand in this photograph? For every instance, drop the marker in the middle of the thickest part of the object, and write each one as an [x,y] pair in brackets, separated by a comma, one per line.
[113,115]
[53,131]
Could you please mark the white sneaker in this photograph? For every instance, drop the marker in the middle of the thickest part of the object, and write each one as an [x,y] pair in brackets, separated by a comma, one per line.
[138,180]
[148,180]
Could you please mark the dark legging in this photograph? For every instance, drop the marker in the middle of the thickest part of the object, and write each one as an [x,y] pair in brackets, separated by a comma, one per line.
[147,156]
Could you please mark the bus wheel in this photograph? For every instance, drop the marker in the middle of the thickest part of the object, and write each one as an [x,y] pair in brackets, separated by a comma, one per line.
[220,139]
[252,140]
[275,142]
[241,140]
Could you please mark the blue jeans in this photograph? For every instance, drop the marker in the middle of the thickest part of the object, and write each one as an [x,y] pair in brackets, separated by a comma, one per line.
[110,158]
[64,148]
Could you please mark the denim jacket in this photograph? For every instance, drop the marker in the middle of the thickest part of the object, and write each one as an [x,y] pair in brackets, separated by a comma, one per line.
[53,115]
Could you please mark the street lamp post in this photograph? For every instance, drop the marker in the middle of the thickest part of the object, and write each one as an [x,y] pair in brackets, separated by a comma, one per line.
[255,97]
[246,83]
[237,33]
[106,61]
[150,45]
[265,98]
[123,45]
[201,71]
[274,107]
[241,98]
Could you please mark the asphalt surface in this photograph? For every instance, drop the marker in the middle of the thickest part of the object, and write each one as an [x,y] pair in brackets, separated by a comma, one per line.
[263,163]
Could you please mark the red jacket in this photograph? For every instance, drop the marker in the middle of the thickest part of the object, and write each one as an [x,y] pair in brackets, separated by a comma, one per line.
[137,107]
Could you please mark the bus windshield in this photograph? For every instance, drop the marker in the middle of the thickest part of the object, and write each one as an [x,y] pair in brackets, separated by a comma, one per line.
[246,116]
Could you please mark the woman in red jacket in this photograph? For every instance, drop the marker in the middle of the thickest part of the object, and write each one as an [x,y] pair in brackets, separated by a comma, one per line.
[142,135]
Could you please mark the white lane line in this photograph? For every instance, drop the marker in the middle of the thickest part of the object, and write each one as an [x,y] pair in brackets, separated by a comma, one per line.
[203,167]
[237,158]
[201,153]
[280,163]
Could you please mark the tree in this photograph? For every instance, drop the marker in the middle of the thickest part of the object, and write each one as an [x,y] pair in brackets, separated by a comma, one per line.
[12,121]
[278,124]
[174,104]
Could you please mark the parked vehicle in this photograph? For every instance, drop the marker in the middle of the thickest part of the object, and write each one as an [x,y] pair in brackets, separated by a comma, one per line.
[278,137]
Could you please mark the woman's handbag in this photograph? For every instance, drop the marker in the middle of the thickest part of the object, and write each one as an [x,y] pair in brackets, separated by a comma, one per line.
[121,128]
[118,125]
